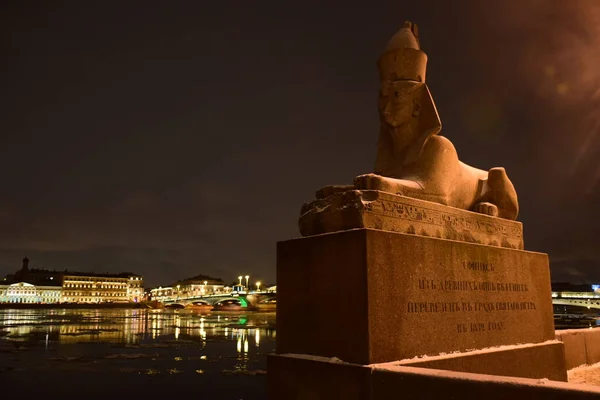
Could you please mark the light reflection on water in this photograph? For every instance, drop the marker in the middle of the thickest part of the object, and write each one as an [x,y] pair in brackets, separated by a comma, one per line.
[134,326]
[221,347]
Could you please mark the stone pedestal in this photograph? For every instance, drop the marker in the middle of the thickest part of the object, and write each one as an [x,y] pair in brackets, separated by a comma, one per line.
[360,300]
[368,296]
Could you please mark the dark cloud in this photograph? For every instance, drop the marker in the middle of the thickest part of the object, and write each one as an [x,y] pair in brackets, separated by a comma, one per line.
[177,138]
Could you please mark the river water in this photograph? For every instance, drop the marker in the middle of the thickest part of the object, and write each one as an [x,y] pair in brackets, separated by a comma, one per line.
[104,353]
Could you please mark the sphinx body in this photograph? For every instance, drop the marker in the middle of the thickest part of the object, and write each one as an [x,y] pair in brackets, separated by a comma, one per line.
[412,159]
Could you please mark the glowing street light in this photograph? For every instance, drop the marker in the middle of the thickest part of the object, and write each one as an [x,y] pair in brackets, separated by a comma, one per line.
[258,286]
[240,278]
[247,277]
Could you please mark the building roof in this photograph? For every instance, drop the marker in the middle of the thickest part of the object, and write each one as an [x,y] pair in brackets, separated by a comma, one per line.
[200,279]
[27,284]
[45,277]
[43,271]
[101,275]
[57,285]
[161,288]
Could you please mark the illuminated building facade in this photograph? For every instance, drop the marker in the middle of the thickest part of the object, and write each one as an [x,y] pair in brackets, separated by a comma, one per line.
[197,286]
[135,288]
[44,286]
[200,285]
[102,288]
[161,293]
[23,292]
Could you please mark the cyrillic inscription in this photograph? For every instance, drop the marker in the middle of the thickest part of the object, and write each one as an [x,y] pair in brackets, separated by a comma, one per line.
[481,327]
[474,306]
[483,281]
[472,285]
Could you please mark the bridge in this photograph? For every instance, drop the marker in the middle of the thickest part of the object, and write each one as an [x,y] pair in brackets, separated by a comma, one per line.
[250,300]
[588,300]
[578,303]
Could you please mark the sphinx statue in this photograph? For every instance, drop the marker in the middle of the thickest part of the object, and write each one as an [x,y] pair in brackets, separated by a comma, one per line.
[413,160]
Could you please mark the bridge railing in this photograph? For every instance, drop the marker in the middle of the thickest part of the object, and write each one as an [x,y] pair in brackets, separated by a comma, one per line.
[177,298]
[588,303]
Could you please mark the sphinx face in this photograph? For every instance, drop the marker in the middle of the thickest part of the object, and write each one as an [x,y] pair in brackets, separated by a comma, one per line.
[399,103]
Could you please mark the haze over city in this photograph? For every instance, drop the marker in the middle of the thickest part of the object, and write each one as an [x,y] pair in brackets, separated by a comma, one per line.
[172,139]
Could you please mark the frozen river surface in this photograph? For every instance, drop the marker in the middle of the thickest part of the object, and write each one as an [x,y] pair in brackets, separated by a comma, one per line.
[117,353]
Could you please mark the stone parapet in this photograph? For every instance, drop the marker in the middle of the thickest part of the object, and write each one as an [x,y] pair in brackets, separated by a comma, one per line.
[293,376]
[582,346]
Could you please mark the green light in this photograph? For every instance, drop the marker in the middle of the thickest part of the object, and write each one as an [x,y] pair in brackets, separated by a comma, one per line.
[243,321]
[243,302]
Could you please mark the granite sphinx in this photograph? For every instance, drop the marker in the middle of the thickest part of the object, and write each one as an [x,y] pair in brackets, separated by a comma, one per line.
[425,262]
[413,160]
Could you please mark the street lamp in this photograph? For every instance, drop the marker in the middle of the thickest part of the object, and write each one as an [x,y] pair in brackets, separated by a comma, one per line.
[205,282]
[258,286]
[240,278]
[247,277]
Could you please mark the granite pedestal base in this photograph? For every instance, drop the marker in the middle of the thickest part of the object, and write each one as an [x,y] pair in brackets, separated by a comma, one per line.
[368,296]
[301,377]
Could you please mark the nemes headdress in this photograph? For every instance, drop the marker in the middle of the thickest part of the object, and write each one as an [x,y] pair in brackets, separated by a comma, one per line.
[402,58]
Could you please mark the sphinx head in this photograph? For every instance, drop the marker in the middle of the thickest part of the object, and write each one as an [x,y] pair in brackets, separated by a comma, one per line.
[406,107]
[399,103]
[402,59]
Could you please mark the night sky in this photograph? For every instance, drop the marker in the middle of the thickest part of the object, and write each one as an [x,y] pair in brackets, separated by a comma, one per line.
[173,138]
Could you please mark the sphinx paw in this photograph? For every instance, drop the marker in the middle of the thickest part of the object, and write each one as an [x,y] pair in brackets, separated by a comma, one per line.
[332,189]
[486,208]
[502,193]
[374,182]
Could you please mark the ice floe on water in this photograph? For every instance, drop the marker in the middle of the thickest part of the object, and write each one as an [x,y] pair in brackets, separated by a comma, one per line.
[184,347]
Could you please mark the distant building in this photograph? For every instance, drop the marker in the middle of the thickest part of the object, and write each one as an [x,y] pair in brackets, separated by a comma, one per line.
[24,292]
[37,276]
[41,286]
[31,286]
[238,288]
[198,285]
[161,294]
[84,287]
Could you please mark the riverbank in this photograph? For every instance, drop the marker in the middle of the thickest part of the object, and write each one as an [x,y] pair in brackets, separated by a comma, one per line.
[35,306]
